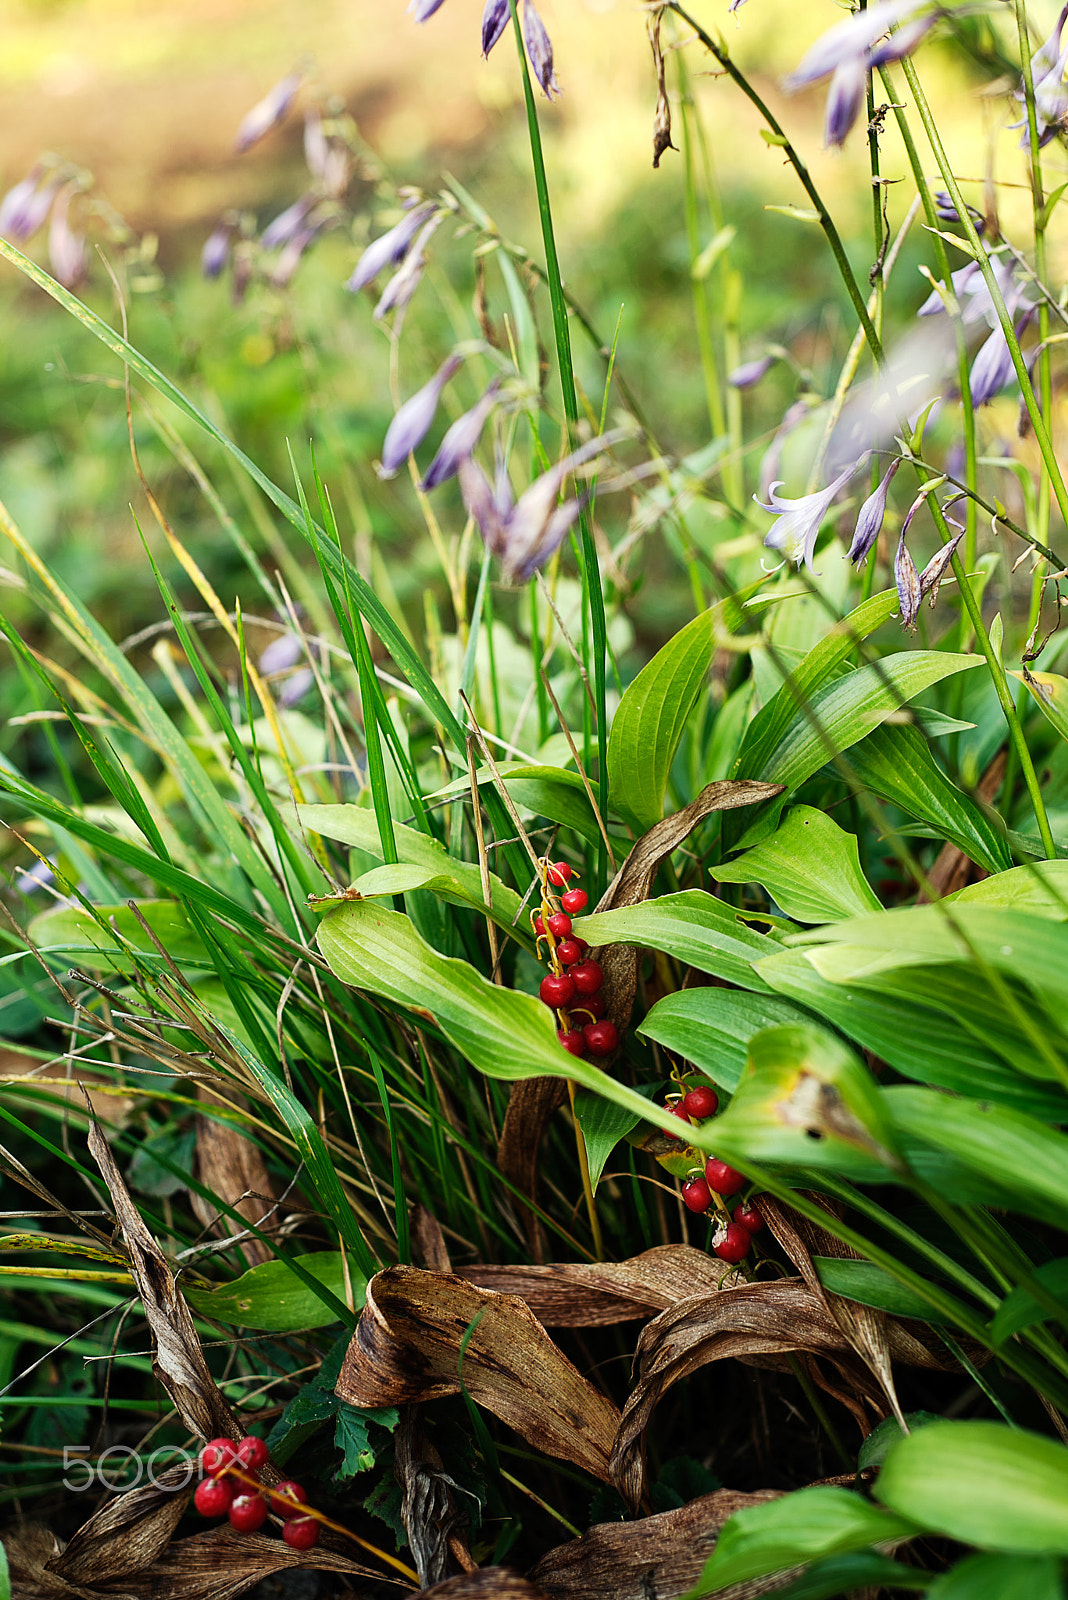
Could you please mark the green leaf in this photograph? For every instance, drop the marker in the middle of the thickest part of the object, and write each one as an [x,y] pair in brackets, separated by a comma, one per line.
[5,1576]
[871,1285]
[806,1100]
[651,716]
[551,792]
[1021,1309]
[603,1126]
[806,1526]
[693,926]
[810,867]
[71,932]
[1001,1577]
[1028,1160]
[458,882]
[712,1027]
[896,764]
[861,1572]
[850,708]
[272,1297]
[1050,691]
[1040,888]
[983,1483]
[353,1439]
[884,1435]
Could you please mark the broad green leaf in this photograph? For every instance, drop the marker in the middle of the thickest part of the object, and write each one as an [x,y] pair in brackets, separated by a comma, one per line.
[552,792]
[1021,1309]
[270,1296]
[983,1483]
[458,882]
[806,1100]
[873,1452]
[923,1022]
[502,1032]
[871,1285]
[353,1438]
[850,708]
[1050,691]
[1001,1577]
[896,764]
[810,867]
[694,927]
[1028,1160]
[1040,888]
[603,1126]
[712,1027]
[860,1572]
[73,932]
[805,1526]
[651,716]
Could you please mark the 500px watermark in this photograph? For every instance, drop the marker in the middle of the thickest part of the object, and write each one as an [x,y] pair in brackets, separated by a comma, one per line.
[120,1468]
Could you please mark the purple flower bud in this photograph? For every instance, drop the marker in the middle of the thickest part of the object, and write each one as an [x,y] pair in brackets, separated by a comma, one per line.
[25,208]
[287,224]
[992,368]
[268,112]
[461,439]
[283,653]
[403,284]
[483,503]
[290,257]
[935,570]
[216,251]
[389,248]
[908,583]
[870,520]
[66,249]
[946,211]
[750,372]
[423,10]
[539,49]
[494,21]
[798,522]
[845,97]
[537,524]
[413,420]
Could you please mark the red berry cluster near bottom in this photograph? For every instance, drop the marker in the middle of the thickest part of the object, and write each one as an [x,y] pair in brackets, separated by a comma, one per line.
[733,1241]
[232,1486]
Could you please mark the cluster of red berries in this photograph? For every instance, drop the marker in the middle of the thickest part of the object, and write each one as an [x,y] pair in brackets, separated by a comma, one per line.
[572,987]
[232,1485]
[717,1184]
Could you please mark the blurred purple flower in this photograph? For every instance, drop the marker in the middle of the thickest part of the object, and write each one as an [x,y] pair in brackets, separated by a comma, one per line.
[389,248]
[539,49]
[296,687]
[39,876]
[946,211]
[423,10]
[750,372]
[993,368]
[1047,72]
[316,148]
[494,21]
[287,224]
[25,208]
[851,49]
[845,97]
[283,653]
[908,583]
[403,284]
[413,419]
[268,112]
[66,248]
[799,521]
[870,519]
[461,439]
[292,252]
[216,251]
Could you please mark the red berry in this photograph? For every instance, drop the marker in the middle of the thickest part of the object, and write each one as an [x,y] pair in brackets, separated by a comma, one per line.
[301,1532]
[216,1455]
[539,926]
[251,1453]
[568,952]
[572,1041]
[734,1246]
[721,1178]
[282,1497]
[213,1496]
[679,1110]
[696,1195]
[701,1102]
[559,925]
[249,1511]
[574,901]
[590,1005]
[750,1218]
[558,874]
[556,989]
[588,977]
[601,1038]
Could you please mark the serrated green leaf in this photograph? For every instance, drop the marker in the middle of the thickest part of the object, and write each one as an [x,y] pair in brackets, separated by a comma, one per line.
[272,1297]
[353,1438]
[693,926]
[1021,1309]
[810,867]
[985,1484]
[712,1027]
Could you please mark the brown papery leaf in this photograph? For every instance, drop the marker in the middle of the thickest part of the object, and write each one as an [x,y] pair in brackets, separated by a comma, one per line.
[662,116]
[598,1294]
[222,1563]
[429,1511]
[659,1556]
[232,1167]
[755,1322]
[127,1533]
[29,1547]
[179,1362]
[406,1349]
[488,1583]
[530,1105]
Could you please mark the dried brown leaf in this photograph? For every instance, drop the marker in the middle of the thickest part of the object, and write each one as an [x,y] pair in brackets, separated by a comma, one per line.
[232,1167]
[488,1583]
[428,1240]
[530,1105]
[662,116]
[660,1556]
[127,1533]
[406,1349]
[179,1362]
[221,1564]
[429,1511]
[29,1547]
[598,1294]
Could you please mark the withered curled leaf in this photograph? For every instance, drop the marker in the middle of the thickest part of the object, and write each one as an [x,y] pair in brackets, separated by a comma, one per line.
[597,1294]
[127,1533]
[406,1349]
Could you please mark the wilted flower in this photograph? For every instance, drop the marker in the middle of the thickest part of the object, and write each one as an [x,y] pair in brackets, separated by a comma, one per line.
[539,49]
[799,521]
[413,420]
[461,439]
[851,49]
[494,21]
[216,251]
[390,247]
[268,112]
[908,583]
[935,570]
[870,519]
[66,248]
[405,281]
